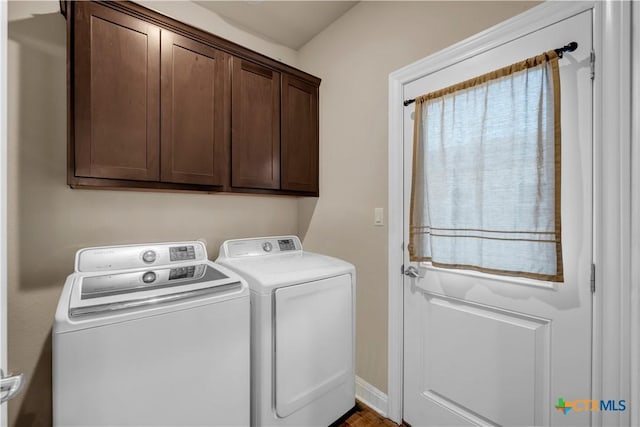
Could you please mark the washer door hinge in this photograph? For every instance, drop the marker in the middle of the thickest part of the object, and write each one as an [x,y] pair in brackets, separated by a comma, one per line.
[592,59]
[593,278]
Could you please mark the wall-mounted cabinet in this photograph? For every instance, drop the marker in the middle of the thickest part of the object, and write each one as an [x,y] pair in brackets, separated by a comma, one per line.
[116,69]
[195,112]
[299,128]
[255,140]
[155,103]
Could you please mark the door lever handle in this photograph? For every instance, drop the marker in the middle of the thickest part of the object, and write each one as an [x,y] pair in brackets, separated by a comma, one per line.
[10,386]
[411,271]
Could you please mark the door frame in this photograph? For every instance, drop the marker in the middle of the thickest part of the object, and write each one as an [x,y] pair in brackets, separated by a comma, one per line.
[635,213]
[612,349]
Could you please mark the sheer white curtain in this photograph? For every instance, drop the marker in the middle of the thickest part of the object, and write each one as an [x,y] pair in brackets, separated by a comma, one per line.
[486,173]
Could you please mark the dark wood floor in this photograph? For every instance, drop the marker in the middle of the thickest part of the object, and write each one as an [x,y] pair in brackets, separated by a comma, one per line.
[363,416]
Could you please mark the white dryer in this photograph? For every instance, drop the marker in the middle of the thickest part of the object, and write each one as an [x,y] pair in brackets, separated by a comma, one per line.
[302,331]
[150,335]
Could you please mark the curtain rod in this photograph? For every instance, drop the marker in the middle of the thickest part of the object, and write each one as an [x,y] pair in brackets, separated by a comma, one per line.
[560,51]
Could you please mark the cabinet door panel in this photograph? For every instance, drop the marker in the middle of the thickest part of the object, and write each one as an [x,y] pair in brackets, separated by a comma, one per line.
[116,90]
[255,147]
[195,112]
[299,170]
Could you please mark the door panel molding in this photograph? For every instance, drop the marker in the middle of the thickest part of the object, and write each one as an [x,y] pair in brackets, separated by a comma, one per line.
[612,245]
[524,364]
[522,320]
[459,411]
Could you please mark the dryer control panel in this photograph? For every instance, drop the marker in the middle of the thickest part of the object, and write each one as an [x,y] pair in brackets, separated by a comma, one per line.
[260,246]
[109,258]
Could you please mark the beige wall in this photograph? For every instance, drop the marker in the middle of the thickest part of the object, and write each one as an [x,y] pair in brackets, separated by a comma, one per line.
[48,222]
[354,57]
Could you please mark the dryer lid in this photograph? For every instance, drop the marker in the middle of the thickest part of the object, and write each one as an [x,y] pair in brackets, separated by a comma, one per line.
[265,273]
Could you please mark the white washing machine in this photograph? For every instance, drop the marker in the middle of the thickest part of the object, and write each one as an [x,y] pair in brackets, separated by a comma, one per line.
[302,331]
[151,335]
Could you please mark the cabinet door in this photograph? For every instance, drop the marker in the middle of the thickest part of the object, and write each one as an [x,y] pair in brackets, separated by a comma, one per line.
[116,94]
[255,146]
[299,171]
[195,112]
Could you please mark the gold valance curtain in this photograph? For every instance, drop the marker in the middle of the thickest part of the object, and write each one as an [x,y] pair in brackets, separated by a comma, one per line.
[486,173]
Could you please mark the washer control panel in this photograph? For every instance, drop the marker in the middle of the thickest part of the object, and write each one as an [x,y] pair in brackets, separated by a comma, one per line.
[182,253]
[286,245]
[260,246]
[109,258]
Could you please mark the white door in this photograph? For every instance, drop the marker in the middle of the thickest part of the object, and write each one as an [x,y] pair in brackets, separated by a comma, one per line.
[493,350]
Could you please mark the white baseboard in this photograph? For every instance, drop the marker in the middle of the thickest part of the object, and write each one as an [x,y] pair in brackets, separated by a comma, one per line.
[371,396]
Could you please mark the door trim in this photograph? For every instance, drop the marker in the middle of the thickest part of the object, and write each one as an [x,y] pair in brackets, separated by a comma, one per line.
[612,209]
[635,216]
[612,192]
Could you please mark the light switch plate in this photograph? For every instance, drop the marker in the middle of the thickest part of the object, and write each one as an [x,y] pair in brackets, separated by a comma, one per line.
[378,217]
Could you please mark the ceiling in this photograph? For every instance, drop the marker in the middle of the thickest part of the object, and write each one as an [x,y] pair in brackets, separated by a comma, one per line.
[289,23]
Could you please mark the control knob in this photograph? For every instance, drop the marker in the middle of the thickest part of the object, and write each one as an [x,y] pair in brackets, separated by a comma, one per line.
[149,277]
[149,256]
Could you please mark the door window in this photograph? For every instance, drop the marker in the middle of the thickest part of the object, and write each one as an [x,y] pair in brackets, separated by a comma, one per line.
[486,181]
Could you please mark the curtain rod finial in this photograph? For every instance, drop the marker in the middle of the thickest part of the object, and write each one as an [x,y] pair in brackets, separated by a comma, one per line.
[566,48]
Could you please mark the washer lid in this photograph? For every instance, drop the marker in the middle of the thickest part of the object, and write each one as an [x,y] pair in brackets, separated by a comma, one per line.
[265,273]
[93,293]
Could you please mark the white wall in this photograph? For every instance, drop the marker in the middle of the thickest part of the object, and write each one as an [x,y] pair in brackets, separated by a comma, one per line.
[354,57]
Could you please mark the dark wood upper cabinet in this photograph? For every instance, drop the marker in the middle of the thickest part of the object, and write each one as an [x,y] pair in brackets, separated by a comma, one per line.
[116,94]
[195,112]
[299,169]
[155,103]
[255,140]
